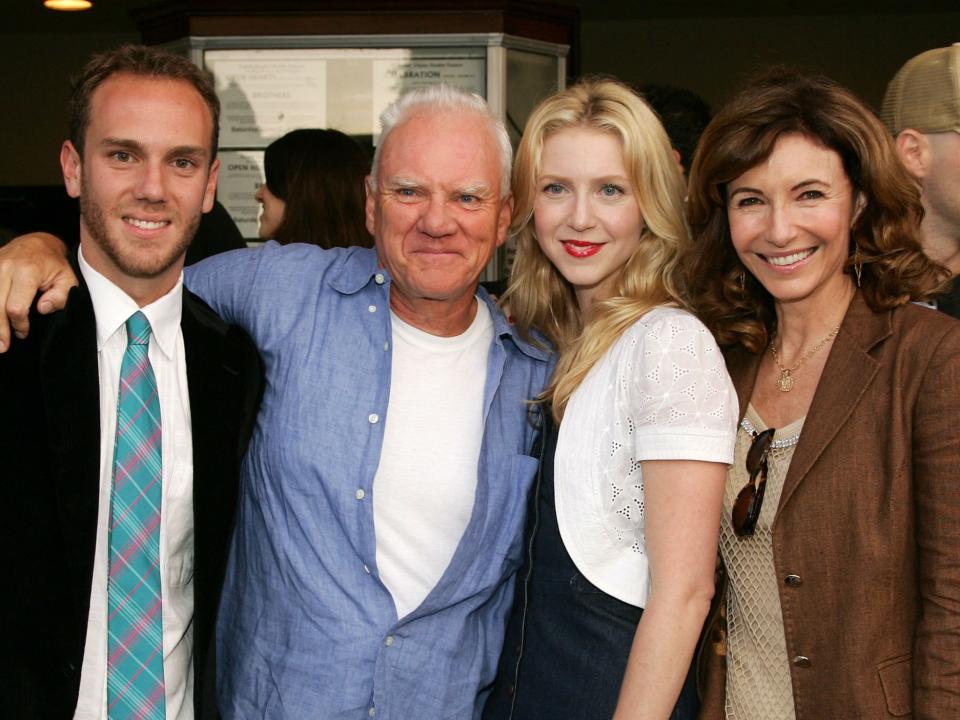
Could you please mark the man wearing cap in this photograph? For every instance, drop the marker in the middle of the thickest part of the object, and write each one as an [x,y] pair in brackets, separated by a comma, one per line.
[922,109]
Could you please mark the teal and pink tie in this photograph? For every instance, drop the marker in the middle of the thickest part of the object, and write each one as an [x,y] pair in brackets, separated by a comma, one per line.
[134,621]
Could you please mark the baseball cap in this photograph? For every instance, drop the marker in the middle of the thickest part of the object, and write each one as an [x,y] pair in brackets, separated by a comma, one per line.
[925,93]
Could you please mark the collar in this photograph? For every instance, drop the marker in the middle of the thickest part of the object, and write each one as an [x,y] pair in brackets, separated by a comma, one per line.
[354,270]
[112,306]
[359,266]
[864,327]
[860,331]
[503,328]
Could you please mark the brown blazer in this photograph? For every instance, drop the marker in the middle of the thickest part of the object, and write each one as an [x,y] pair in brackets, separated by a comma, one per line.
[869,526]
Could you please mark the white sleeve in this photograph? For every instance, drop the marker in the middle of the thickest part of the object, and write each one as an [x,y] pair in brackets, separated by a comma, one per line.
[682,404]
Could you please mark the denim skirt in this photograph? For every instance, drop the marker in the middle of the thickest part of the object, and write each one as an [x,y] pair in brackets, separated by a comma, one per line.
[567,641]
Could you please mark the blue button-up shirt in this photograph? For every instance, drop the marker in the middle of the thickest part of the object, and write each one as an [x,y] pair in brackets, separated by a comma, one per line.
[306,627]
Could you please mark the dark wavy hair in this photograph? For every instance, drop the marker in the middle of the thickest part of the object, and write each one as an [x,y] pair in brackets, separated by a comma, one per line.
[784,101]
[137,60]
[319,174]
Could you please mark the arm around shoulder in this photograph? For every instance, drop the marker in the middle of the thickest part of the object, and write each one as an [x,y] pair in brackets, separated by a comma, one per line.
[239,285]
[31,264]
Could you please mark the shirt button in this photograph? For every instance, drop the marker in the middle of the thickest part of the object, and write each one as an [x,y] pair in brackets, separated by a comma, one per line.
[378,278]
[360,494]
[792,580]
[802,661]
[373,418]
[372,712]
[371,308]
[366,569]
[386,346]
[389,641]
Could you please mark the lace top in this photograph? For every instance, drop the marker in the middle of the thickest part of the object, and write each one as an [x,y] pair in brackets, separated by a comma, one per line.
[660,393]
[758,669]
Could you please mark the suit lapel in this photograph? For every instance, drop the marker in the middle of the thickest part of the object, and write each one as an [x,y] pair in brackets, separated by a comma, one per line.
[68,365]
[213,436]
[202,352]
[849,371]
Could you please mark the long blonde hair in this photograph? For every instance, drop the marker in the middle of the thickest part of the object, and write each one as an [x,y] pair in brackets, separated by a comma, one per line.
[538,296]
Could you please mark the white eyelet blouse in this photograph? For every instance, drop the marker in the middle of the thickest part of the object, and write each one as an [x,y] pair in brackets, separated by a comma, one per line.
[661,392]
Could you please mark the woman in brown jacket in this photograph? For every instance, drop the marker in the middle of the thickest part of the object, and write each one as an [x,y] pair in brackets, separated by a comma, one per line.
[841,528]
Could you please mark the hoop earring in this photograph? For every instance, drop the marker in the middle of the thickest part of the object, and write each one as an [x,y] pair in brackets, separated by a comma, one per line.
[857,263]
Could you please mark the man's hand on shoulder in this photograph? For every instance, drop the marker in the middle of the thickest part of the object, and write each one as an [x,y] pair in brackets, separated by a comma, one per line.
[30,264]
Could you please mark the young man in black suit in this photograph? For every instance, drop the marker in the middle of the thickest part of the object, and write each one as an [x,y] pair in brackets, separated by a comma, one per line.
[120,469]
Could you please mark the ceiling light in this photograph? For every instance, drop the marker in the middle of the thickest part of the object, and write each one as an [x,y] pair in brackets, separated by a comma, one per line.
[68,4]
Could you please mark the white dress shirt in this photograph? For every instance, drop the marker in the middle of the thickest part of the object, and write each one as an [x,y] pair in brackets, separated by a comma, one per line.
[112,308]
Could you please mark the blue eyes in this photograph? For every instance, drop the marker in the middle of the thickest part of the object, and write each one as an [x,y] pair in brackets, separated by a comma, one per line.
[416,194]
[607,190]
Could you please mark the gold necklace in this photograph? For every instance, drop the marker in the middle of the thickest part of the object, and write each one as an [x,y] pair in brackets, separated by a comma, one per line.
[785,382]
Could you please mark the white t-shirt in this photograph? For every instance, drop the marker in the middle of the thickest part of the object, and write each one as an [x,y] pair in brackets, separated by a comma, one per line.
[423,491]
[661,392]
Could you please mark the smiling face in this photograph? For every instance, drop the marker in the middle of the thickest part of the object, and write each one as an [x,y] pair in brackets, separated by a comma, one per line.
[144,180]
[271,211]
[586,213]
[790,220]
[437,215]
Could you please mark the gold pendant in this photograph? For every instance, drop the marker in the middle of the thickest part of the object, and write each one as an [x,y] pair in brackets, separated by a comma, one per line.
[785,382]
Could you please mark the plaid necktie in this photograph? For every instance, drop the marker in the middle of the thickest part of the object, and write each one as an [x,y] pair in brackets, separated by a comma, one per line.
[134,622]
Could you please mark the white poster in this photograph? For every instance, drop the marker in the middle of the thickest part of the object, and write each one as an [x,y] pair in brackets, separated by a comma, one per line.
[395,76]
[241,173]
[265,94]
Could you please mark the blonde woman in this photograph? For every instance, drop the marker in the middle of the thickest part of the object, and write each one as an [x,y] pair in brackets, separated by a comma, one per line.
[639,420]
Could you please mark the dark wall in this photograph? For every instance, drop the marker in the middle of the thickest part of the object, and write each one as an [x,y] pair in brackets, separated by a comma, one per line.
[713,55]
[709,55]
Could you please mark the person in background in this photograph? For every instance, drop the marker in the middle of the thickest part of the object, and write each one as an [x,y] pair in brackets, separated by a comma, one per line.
[216,233]
[922,109]
[841,518]
[314,190]
[684,115]
[640,421]
[125,419]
